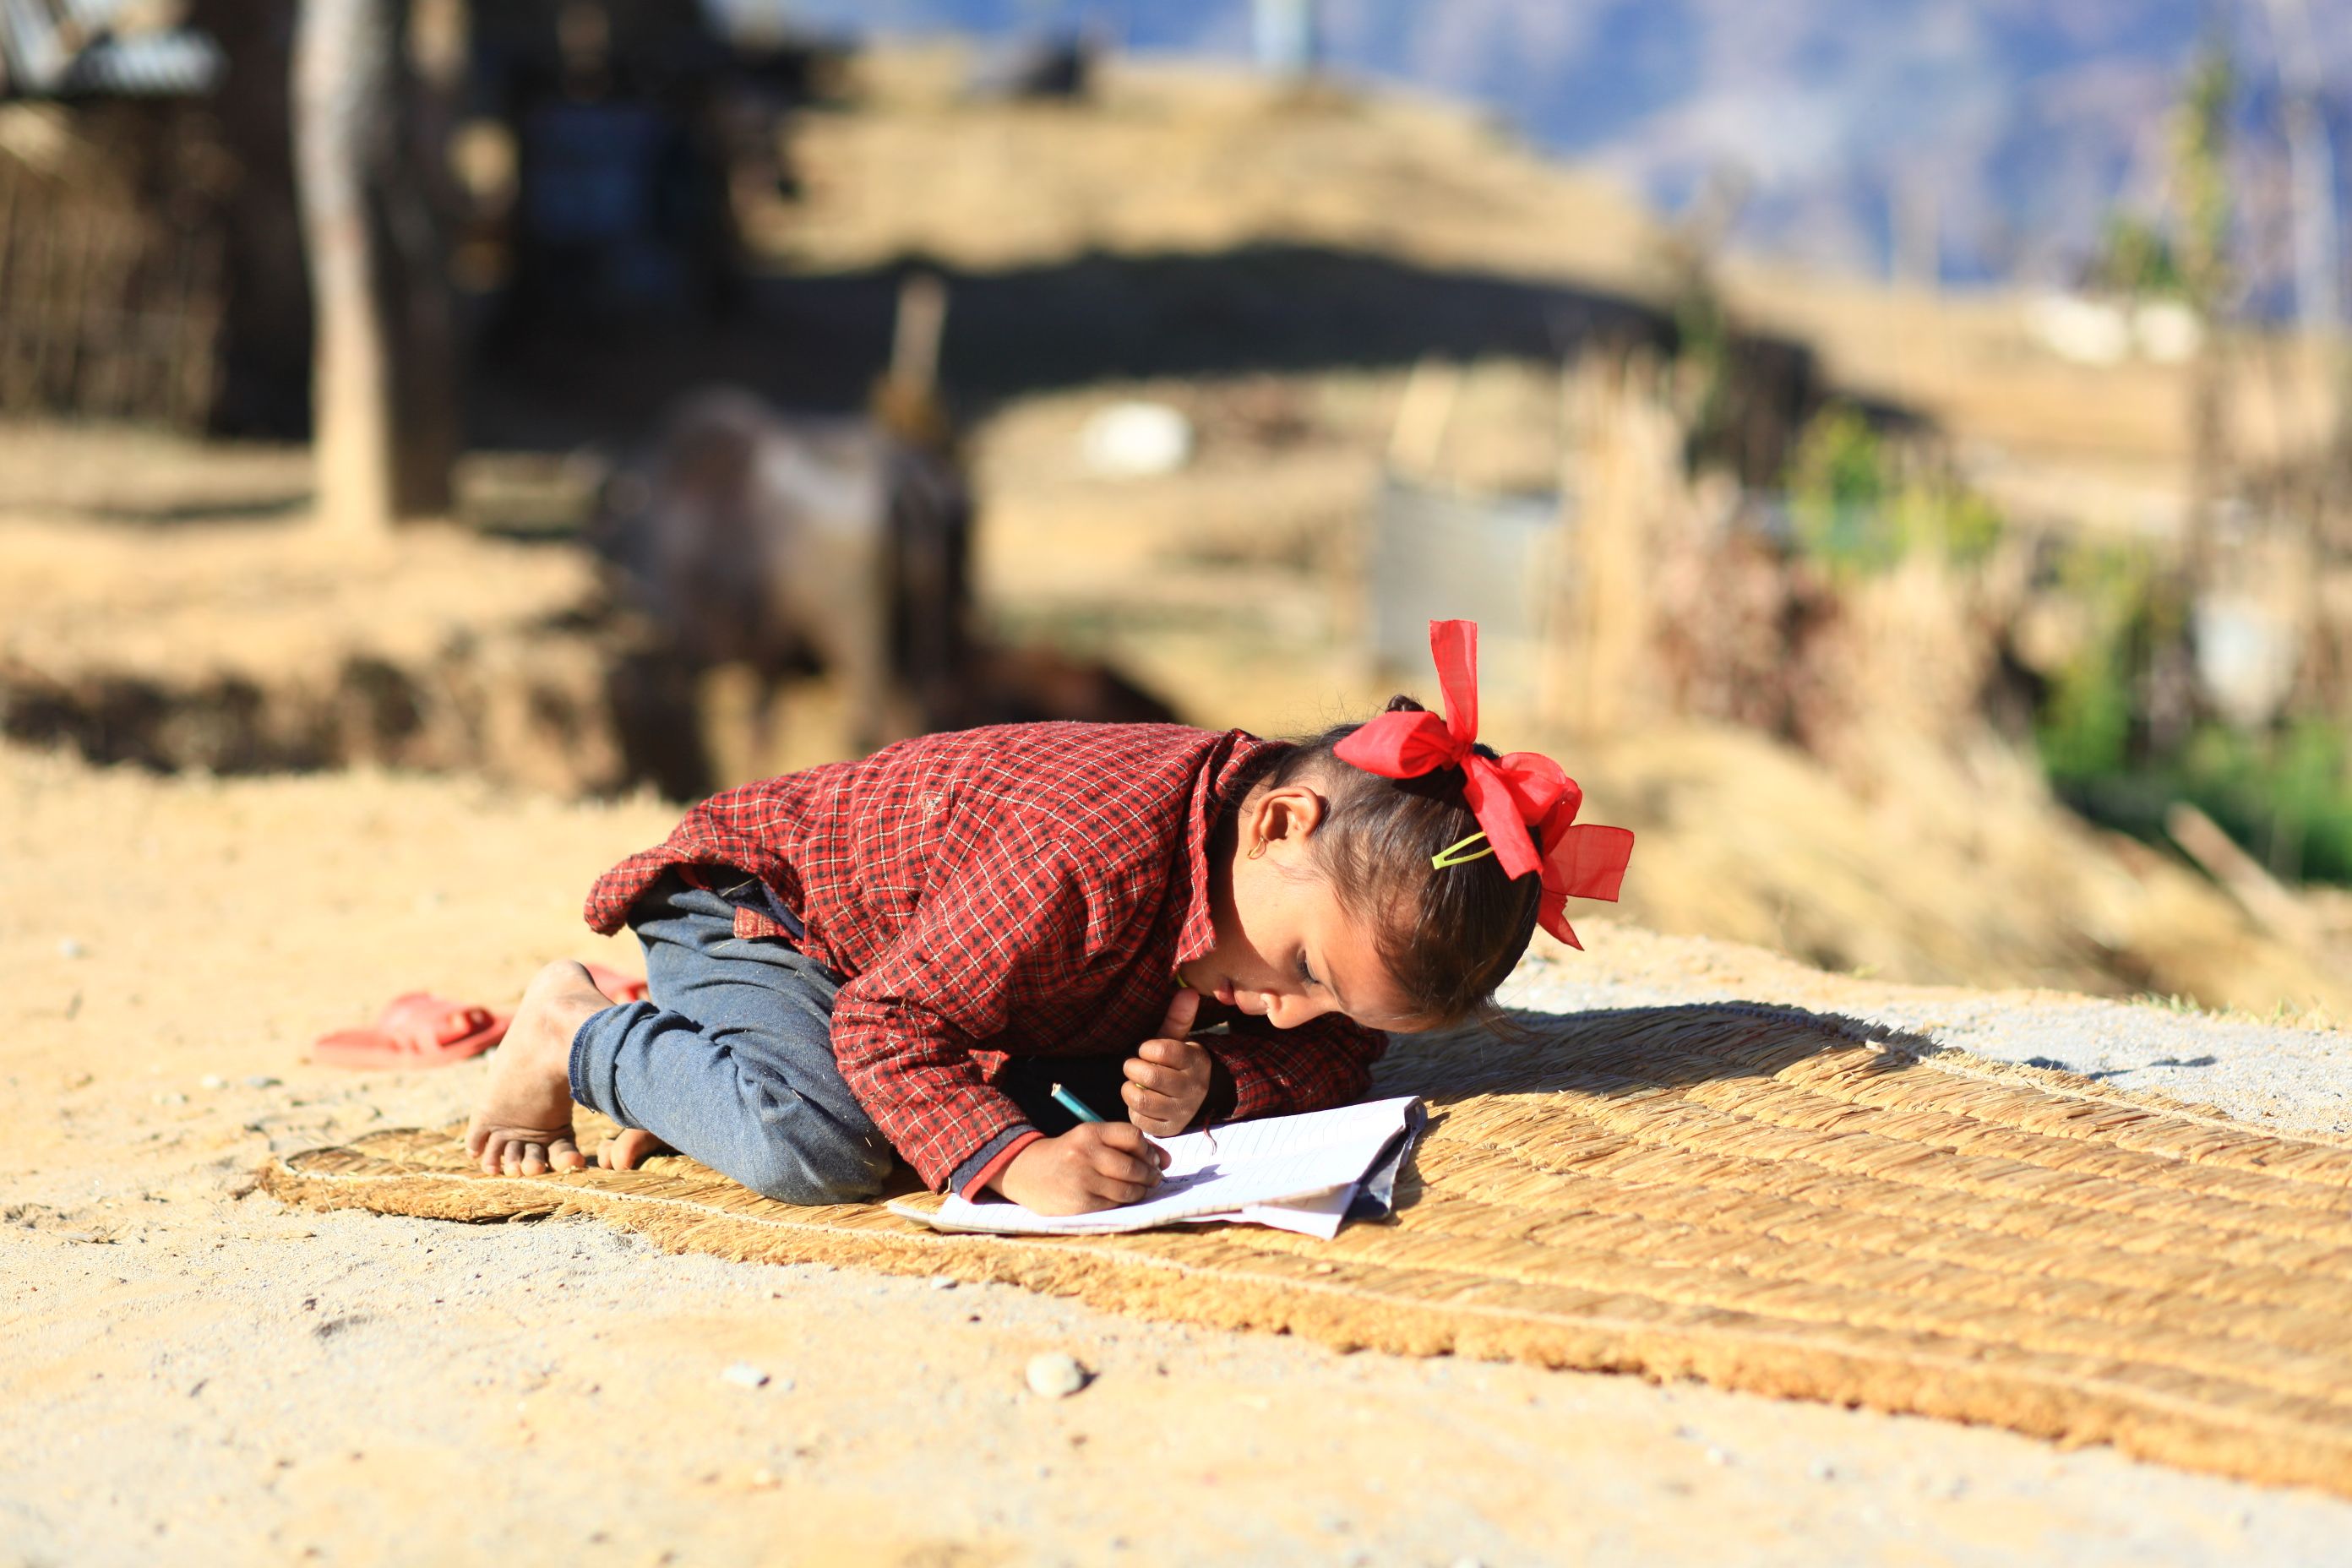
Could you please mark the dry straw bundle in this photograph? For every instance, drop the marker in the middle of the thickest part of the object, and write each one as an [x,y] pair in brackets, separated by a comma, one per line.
[1764,1198]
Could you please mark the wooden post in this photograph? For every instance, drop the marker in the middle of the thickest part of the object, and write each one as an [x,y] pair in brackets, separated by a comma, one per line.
[413,191]
[2201,182]
[2311,166]
[1621,462]
[342,76]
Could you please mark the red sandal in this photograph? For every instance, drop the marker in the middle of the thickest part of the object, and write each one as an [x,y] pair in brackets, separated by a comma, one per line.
[417,1030]
[422,1030]
[616,985]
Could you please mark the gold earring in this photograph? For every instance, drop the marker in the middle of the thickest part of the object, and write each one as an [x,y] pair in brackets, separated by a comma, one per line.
[1256,850]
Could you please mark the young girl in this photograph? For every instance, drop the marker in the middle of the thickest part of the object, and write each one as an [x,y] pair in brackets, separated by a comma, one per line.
[901,953]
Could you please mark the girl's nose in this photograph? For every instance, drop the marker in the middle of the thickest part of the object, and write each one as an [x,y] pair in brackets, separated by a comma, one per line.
[1289,1011]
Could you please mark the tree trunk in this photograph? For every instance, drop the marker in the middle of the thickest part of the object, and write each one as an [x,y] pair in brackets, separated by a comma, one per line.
[343,80]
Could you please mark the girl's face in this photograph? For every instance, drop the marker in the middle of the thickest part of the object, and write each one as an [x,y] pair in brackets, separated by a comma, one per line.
[1287,951]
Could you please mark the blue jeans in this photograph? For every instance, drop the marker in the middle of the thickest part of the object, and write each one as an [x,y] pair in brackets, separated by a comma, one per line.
[731,1059]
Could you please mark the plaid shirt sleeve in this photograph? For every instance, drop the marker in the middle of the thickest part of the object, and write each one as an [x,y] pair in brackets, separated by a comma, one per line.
[905,1030]
[1280,1072]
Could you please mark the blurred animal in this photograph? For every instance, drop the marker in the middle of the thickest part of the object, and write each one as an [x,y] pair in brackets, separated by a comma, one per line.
[1060,65]
[791,545]
[787,546]
[1027,685]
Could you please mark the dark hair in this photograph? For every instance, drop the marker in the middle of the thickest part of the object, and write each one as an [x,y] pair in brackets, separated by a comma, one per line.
[1447,936]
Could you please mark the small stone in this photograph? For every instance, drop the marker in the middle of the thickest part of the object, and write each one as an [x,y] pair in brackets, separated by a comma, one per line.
[1821,1470]
[1055,1375]
[942,1282]
[70,948]
[260,1081]
[213,1080]
[1718,1457]
[743,1375]
[169,1097]
[764,1480]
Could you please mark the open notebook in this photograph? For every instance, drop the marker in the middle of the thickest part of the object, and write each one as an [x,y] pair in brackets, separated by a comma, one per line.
[1299,1173]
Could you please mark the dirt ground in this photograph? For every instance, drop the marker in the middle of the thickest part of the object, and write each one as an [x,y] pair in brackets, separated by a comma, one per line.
[217,1379]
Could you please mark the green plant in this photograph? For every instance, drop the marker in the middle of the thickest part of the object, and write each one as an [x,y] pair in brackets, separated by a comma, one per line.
[2137,258]
[2200,153]
[1859,508]
[2085,729]
[2286,796]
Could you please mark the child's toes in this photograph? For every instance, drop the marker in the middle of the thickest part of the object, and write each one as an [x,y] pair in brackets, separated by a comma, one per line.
[563,1154]
[628,1149]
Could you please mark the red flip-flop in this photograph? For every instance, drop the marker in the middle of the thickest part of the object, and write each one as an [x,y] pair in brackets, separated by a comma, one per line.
[417,1030]
[616,985]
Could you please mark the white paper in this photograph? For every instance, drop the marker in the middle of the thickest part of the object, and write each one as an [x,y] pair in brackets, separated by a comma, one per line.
[1317,1216]
[1294,1172]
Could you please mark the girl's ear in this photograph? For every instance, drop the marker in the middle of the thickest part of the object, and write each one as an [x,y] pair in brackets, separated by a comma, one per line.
[1293,812]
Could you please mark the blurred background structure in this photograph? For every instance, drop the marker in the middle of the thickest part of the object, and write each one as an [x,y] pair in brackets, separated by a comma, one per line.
[1900,455]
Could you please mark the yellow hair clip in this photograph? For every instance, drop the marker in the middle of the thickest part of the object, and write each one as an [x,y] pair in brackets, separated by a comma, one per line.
[1452,854]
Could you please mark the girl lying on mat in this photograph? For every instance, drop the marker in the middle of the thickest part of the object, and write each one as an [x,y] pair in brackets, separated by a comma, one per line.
[900,953]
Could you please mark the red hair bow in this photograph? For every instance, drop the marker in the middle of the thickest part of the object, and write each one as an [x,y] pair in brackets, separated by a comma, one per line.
[1508,797]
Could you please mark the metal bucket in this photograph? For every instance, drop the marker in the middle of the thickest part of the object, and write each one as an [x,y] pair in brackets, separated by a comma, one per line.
[1440,554]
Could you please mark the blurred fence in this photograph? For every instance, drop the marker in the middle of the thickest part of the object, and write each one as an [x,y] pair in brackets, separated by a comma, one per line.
[111,253]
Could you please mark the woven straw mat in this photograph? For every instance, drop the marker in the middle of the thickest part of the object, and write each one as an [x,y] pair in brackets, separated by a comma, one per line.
[1764,1198]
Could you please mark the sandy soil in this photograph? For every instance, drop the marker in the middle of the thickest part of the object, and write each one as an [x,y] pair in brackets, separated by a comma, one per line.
[217,1379]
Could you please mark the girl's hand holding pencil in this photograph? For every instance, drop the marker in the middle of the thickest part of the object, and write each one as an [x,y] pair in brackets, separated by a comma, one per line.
[1101,1164]
[1093,1165]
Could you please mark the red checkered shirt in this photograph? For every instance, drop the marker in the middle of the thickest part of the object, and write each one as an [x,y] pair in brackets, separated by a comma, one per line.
[1028,890]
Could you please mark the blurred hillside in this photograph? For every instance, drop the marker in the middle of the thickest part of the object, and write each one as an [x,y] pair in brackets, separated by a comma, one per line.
[1175,160]
[2027,123]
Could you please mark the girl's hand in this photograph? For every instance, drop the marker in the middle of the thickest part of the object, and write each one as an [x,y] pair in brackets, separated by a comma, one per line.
[1168,1078]
[1093,1165]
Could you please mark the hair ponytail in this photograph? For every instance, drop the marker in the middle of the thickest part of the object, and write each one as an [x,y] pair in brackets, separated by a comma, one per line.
[1448,936]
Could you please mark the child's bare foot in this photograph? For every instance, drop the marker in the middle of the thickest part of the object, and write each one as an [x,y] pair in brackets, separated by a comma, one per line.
[629,1148]
[523,1125]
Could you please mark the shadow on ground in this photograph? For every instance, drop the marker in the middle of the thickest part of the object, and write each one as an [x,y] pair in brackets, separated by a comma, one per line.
[819,341]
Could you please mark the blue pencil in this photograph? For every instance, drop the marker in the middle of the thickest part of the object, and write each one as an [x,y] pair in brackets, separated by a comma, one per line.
[1073,1105]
